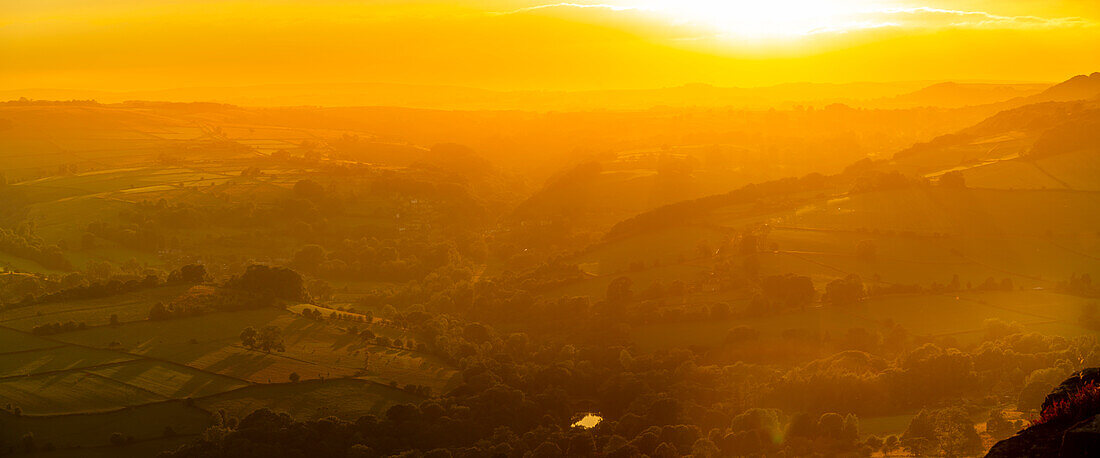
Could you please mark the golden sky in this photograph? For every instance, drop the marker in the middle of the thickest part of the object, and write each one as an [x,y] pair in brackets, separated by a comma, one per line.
[530,44]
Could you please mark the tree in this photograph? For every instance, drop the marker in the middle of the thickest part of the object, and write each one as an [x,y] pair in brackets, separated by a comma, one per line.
[844,291]
[270,339]
[294,377]
[957,434]
[953,179]
[114,319]
[278,282]
[191,273]
[919,437]
[248,337]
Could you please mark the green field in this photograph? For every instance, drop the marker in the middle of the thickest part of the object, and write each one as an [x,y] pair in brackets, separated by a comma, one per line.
[313,349]
[129,307]
[84,430]
[56,359]
[12,341]
[169,380]
[139,449]
[961,316]
[344,398]
[71,392]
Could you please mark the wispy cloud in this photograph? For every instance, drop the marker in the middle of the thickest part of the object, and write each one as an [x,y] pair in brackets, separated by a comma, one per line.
[725,21]
[573,5]
[924,16]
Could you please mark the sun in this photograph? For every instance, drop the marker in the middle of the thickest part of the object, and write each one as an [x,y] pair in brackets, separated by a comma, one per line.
[770,19]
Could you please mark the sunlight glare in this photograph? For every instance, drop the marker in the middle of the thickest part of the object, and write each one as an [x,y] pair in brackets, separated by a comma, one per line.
[755,19]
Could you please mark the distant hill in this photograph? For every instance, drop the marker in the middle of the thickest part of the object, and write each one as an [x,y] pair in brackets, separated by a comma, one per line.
[1050,144]
[1059,119]
[788,95]
[951,95]
[1080,87]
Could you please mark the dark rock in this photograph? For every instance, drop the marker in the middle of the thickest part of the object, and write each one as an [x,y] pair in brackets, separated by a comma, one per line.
[1060,437]
[1036,441]
[1072,384]
[1082,439]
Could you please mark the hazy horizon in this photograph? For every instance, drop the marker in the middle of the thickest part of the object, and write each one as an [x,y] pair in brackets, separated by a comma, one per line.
[526,44]
[533,229]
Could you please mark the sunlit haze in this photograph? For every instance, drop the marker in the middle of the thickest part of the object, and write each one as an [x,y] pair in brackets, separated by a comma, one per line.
[549,229]
[498,44]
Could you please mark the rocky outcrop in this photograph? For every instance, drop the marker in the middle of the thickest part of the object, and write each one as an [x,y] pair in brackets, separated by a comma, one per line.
[1070,437]
[1072,384]
[1082,439]
[1037,441]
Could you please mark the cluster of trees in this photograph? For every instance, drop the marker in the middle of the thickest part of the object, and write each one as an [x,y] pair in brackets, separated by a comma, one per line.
[844,291]
[58,328]
[100,289]
[26,245]
[553,273]
[137,236]
[944,432]
[190,273]
[73,286]
[1080,285]
[267,339]
[200,301]
[18,289]
[1008,362]
[313,314]
[25,102]
[396,259]
[989,284]
[259,286]
[273,282]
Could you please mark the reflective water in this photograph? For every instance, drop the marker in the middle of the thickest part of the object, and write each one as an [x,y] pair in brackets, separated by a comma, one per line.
[590,420]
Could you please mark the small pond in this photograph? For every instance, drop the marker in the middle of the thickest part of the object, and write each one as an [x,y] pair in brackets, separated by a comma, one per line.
[589,420]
